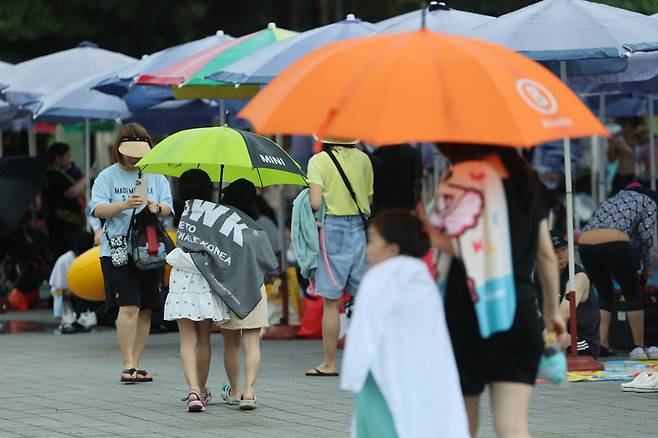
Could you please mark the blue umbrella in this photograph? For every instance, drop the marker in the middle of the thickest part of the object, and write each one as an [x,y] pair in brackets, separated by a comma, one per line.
[263,65]
[32,79]
[562,30]
[565,30]
[139,97]
[440,18]
[641,75]
[78,100]
[176,115]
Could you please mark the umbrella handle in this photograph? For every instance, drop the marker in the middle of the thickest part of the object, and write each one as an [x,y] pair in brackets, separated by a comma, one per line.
[221,180]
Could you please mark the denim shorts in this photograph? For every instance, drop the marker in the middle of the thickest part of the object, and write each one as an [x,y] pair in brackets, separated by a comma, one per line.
[345,242]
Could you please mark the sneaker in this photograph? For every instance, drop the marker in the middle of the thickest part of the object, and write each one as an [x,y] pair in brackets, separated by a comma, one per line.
[652,352]
[638,353]
[641,379]
[226,391]
[651,385]
[88,320]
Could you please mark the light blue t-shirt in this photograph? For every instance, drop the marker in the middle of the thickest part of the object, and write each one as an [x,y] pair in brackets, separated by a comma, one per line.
[115,184]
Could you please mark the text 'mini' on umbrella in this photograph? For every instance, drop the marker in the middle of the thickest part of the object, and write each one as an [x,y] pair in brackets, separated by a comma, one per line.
[421,86]
[440,18]
[225,154]
[264,65]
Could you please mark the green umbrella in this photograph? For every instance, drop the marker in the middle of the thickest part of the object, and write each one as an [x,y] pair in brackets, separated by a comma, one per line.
[225,154]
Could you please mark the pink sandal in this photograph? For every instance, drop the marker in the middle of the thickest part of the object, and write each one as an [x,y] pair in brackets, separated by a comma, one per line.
[194,405]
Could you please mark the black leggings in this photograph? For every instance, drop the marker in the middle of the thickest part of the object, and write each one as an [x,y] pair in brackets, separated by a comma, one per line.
[612,260]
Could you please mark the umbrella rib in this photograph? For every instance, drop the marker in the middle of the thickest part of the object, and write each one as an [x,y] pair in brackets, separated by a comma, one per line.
[259,178]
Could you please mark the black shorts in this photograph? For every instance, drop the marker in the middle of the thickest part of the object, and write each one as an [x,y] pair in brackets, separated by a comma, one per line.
[512,356]
[605,262]
[128,286]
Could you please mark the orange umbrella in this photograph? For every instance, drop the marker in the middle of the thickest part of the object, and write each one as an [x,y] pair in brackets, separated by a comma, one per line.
[421,86]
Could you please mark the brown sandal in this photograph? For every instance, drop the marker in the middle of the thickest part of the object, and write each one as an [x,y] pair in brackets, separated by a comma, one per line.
[133,376]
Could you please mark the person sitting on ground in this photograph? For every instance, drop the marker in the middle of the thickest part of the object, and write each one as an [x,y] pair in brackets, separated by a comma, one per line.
[398,290]
[587,303]
[74,311]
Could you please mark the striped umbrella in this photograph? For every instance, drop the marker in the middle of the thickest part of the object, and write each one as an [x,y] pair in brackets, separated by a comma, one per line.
[188,76]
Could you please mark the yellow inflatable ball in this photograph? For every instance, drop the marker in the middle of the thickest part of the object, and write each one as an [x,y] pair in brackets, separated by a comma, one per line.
[85,276]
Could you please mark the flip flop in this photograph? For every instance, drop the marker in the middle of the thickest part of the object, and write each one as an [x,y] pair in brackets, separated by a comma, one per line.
[132,379]
[319,373]
[142,373]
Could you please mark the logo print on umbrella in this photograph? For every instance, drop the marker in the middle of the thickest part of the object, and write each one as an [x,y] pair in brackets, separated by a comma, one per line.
[537,96]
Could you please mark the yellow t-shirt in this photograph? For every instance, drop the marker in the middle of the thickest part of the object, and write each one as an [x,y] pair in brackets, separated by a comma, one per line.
[356,165]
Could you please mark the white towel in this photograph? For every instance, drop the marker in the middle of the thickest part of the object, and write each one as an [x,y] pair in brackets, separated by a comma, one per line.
[398,333]
[471,207]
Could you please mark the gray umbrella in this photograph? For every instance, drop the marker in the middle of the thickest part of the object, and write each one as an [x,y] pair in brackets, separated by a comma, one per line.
[564,30]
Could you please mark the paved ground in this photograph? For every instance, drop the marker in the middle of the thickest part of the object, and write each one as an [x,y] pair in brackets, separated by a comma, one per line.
[56,386]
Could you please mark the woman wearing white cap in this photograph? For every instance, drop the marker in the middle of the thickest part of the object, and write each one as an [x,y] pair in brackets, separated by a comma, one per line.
[114,199]
[341,177]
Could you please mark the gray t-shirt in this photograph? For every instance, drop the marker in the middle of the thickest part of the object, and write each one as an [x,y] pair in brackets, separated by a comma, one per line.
[116,184]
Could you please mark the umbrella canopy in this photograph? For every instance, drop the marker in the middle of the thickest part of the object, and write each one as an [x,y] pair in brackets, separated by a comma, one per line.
[264,65]
[641,75]
[32,79]
[481,93]
[571,29]
[188,76]
[119,83]
[4,65]
[79,100]
[175,115]
[225,154]
[440,18]
[21,179]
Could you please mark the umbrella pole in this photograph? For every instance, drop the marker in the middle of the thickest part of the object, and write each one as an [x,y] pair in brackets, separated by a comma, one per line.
[602,154]
[652,142]
[222,112]
[569,200]
[31,138]
[87,154]
[1,143]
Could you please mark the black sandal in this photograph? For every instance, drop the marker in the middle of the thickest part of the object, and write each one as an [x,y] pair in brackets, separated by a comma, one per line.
[132,372]
[144,378]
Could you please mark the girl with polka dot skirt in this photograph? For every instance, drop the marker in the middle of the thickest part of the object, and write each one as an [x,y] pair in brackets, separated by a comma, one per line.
[192,304]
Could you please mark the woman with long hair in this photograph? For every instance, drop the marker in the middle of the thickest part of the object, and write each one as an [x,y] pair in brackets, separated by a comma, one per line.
[490,226]
[115,199]
[192,303]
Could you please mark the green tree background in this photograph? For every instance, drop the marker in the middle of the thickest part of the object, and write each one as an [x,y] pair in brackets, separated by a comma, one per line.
[30,28]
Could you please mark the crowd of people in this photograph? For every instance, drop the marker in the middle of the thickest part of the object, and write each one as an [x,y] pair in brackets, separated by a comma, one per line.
[447,303]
